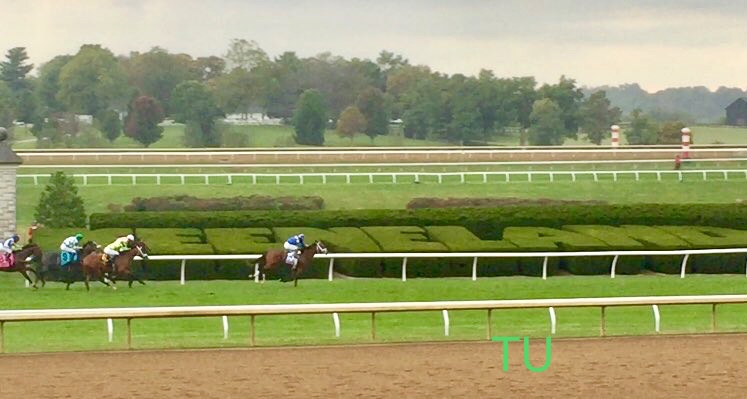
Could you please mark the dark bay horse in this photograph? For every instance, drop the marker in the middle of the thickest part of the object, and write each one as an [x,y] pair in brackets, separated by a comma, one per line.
[67,274]
[95,265]
[275,257]
[22,258]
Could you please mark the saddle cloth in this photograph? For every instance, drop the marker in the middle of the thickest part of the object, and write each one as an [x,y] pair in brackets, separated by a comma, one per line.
[4,264]
[67,258]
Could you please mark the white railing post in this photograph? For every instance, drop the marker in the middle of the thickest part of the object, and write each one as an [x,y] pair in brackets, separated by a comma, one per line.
[158,180]
[553,320]
[544,268]
[85,180]
[684,266]
[331,269]
[657,318]
[446,322]
[404,269]
[182,273]
[614,266]
[474,269]
[225,327]
[347,178]
[36,180]
[110,329]
[336,320]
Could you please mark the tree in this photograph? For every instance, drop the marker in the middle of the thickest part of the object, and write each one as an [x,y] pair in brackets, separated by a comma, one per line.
[209,68]
[92,81]
[192,102]
[245,55]
[671,133]
[568,97]
[142,120]
[59,204]
[547,125]
[238,91]
[156,74]
[310,118]
[49,83]
[351,122]
[13,72]
[373,105]
[7,108]
[597,116]
[109,123]
[642,130]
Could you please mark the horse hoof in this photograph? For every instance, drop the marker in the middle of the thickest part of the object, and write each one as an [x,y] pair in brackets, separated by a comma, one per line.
[114,288]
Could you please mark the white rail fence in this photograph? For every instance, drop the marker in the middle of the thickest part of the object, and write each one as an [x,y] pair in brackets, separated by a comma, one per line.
[383,177]
[253,311]
[475,256]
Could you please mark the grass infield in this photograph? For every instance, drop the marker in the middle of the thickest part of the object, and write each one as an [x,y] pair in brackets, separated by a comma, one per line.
[391,327]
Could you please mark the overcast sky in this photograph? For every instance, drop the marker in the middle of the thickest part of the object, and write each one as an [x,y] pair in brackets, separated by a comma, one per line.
[672,43]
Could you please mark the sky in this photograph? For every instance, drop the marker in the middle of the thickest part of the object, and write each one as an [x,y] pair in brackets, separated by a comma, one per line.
[656,43]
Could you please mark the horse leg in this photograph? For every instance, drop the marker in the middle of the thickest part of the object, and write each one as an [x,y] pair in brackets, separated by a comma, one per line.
[88,277]
[24,272]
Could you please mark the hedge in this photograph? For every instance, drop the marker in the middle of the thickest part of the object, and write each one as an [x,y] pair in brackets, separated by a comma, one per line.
[433,238]
[483,222]
[253,202]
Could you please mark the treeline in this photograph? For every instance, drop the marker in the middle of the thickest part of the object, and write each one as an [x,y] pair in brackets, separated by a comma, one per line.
[133,94]
[687,104]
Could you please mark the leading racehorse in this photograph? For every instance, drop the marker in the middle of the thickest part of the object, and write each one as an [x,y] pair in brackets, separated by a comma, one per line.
[20,262]
[95,264]
[274,257]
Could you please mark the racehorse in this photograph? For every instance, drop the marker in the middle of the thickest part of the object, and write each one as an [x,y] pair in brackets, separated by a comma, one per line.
[65,273]
[274,257]
[94,264]
[20,260]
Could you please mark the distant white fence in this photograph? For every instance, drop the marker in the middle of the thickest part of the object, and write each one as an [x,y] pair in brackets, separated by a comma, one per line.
[382,177]
[475,256]
[128,314]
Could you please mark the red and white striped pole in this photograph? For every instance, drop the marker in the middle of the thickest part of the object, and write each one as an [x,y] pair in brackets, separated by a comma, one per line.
[615,135]
[685,142]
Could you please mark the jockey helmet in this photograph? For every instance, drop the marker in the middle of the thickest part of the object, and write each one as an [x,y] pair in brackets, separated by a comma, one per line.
[79,236]
[16,238]
[130,237]
[300,236]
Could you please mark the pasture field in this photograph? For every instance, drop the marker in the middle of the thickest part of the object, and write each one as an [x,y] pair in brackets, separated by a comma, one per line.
[391,327]
[282,136]
[396,196]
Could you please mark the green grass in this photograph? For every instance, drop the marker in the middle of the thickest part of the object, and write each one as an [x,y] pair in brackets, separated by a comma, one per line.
[396,196]
[282,136]
[318,329]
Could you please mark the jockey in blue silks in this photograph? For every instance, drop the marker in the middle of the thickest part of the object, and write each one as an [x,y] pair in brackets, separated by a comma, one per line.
[8,246]
[293,246]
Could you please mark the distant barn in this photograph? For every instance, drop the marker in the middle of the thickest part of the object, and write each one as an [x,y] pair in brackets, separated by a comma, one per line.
[736,112]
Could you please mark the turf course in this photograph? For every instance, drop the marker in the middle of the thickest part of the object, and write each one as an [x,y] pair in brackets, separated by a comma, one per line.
[318,329]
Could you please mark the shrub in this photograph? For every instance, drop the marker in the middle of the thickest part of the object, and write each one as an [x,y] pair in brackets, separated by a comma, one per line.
[253,202]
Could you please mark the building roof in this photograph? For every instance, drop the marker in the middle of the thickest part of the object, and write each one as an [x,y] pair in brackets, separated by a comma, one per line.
[7,156]
[737,102]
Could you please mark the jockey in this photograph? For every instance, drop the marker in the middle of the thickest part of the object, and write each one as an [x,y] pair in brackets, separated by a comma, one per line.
[293,246]
[72,244]
[9,245]
[119,245]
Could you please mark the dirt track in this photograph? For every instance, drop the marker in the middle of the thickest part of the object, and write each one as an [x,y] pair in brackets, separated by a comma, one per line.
[641,368]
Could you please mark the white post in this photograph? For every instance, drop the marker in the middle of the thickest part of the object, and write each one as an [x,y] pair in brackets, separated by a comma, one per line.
[685,142]
[85,180]
[110,329]
[544,269]
[158,180]
[182,272]
[446,322]
[27,284]
[331,268]
[347,179]
[404,269]
[225,327]
[336,320]
[614,266]
[657,318]
[474,269]
[684,265]
[256,272]
[615,136]
[553,320]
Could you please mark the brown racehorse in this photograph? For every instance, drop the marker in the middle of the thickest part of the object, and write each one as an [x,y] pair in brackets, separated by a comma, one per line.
[274,257]
[21,264]
[94,265]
